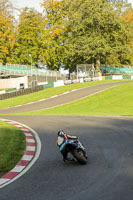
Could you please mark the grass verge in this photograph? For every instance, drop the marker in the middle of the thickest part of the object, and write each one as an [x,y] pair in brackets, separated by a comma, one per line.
[114,101]
[12,146]
[48,93]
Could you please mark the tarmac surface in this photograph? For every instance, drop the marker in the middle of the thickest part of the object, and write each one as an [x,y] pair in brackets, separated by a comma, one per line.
[108,175]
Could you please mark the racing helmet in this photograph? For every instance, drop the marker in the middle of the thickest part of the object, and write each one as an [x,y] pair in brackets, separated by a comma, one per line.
[60,132]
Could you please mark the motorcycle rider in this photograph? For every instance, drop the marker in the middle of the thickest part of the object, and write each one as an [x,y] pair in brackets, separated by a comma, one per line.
[61,141]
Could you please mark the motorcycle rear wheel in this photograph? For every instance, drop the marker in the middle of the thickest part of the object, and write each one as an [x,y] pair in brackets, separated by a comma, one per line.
[79,155]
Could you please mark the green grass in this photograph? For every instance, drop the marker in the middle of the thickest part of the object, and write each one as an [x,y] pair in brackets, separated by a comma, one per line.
[12,146]
[47,93]
[114,101]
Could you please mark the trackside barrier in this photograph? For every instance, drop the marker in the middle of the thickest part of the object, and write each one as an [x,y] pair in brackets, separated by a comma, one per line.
[43,83]
[2,92]
[127,77]
[13,83]
[87,79]
[76,81]
[67,82]
[101,78]
[120,70]
[21,92]
[117,77]
[11,90]
[108,77]
[95,79]
[59,83]
[81,80]
[51,84]
[8,90]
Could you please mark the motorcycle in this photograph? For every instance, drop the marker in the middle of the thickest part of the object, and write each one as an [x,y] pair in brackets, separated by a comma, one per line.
[76,149]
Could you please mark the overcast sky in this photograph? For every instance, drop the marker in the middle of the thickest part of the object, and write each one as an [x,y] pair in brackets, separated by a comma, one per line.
[131,1]
[29,3]
[35,3]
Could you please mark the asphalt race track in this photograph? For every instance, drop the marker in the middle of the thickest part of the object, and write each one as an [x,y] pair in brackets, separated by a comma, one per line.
[108,174]
[61,99]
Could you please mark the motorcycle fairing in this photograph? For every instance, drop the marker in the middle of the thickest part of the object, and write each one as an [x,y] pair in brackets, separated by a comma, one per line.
[68,143]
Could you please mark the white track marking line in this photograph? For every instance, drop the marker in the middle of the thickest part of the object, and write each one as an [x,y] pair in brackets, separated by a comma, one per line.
[29,103]
[3,180]
[17,168]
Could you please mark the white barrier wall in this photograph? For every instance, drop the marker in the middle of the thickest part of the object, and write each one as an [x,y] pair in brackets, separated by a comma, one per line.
[42,83]
[117,77]
[81,80]
[2,92]
[59,83]
[100,78]
[13,83]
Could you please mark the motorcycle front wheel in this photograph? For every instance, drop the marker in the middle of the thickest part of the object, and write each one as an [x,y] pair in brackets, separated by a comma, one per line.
[79,155]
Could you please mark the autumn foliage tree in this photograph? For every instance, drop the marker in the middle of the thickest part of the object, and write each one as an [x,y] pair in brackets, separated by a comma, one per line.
[53,35]
[7,35]
[127,18]
[28,37]
[69,32]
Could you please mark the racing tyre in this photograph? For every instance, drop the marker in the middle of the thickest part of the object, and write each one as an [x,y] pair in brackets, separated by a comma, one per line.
[80,157]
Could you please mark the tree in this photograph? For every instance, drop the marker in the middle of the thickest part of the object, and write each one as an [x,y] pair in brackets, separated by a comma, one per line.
[94,31]
[127,18]
[28,37]
[7,35]
[53,35]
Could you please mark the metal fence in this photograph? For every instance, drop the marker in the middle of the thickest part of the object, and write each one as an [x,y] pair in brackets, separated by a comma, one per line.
[113,70]
[85,70]
[14,69]
[21,92]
